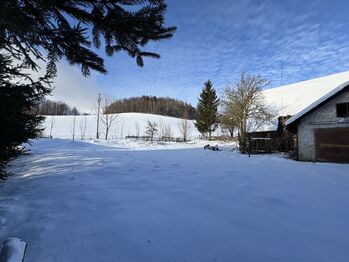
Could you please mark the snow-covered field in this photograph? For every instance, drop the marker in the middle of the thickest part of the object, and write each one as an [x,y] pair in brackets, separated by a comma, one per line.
[126,124]
[84,201]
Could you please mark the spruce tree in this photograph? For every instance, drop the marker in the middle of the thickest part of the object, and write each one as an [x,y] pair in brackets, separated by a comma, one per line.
[18,121]
[206,117]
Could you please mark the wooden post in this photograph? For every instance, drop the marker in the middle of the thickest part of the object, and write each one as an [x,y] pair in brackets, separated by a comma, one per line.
[98,108]
[74,118]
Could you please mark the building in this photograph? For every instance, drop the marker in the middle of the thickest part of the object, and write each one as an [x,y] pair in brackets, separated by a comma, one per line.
[318,127]
[322,129]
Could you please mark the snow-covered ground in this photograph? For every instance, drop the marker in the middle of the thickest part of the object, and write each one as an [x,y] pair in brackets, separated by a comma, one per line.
[134,144]
[84,201]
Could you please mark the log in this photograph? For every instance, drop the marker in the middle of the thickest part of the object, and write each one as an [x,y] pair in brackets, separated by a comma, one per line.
[214,148]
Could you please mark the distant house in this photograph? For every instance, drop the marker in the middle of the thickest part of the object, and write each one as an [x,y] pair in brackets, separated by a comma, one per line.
[319,127]
[322,129]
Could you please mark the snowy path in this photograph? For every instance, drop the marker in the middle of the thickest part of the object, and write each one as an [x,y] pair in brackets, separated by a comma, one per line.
[84,202]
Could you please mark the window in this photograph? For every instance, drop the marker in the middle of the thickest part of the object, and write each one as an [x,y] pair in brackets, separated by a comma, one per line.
[343,110]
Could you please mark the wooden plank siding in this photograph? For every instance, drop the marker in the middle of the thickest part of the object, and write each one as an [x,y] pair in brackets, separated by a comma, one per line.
[332,145]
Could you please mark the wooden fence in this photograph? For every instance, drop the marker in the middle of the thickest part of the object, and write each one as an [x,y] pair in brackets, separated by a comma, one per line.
[157,139]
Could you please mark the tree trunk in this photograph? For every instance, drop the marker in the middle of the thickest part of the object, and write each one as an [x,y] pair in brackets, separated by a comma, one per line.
[243,135]
[231,131]
[106,133]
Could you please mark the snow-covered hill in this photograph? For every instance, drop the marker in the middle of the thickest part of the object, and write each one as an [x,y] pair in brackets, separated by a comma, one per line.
[287,100]
[126,124]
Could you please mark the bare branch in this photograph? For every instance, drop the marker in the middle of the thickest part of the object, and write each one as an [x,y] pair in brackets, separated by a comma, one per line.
[244,107]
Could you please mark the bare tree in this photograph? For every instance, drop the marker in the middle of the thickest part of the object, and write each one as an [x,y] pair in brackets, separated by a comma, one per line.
[227,121]
[137,128]
[98,109]
[82,126]
[51,125]
[121,134]
[245,106]
[168,130]
[162,128]
[107,119]
[74,120]
[165,130]
[151,130]
[225,131]
[116,132]
[184,127]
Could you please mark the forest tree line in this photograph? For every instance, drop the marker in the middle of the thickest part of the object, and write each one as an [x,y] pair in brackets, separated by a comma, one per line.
[153,105]
[49,108]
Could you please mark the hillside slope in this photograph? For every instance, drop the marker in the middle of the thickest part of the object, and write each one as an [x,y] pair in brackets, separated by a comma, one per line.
[126,124]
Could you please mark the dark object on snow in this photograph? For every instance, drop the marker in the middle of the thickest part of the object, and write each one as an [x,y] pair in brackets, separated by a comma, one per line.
[13,250]
[214,148]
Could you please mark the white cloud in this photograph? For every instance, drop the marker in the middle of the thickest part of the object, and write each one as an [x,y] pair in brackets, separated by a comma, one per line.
[70,86]
[218,41]
[75,89]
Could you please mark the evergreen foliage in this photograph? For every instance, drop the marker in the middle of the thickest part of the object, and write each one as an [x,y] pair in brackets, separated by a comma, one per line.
[18,123]
[206,115]
[153,105]
[64,29]
[37,31]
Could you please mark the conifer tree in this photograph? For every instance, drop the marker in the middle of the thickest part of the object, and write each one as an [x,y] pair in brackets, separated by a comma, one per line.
[206,117]
[18,122]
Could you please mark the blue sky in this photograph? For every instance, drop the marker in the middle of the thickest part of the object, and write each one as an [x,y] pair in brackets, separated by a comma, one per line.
[217,40]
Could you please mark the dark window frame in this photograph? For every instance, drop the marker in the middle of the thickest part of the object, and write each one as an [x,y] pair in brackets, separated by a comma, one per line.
[342,109]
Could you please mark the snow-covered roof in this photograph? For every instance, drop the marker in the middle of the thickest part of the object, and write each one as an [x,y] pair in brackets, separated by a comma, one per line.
[317,103]
[295,98]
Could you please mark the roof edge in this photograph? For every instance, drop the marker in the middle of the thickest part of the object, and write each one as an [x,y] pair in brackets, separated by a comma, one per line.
[322,100]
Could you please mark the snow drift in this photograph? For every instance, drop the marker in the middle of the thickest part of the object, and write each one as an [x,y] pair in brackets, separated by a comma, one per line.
[78,201]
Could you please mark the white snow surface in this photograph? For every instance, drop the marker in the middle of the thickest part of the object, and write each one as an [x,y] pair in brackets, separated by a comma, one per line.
[317,102]
[85,201]
[13,250]
[292,99]
[126,124]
